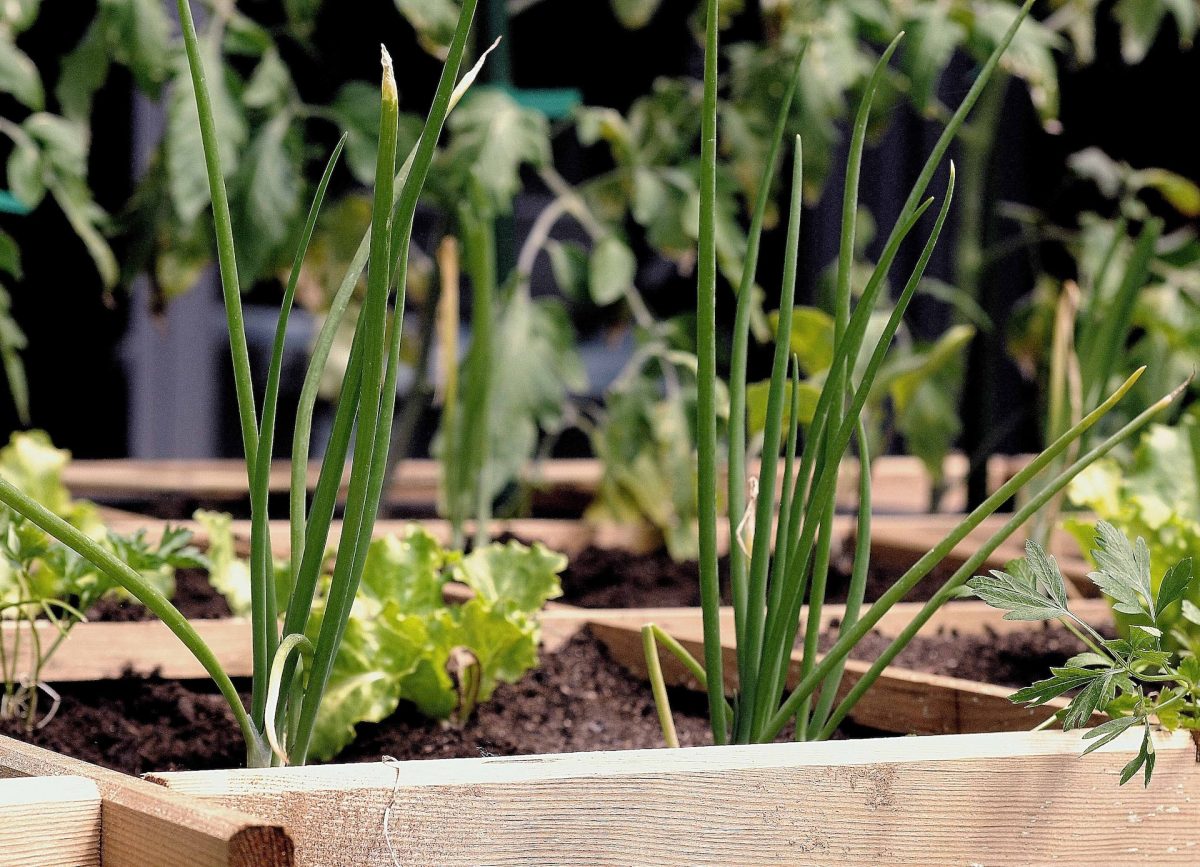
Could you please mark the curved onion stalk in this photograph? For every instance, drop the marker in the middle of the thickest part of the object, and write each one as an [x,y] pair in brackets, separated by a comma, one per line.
[292,647]
[226,255]
[659,687]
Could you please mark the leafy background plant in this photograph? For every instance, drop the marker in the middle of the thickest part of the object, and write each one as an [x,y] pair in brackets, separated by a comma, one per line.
[635,210]
[44,581]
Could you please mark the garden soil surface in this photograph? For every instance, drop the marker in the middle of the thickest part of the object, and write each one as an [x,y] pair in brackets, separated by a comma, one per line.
[578,699]
[613,578]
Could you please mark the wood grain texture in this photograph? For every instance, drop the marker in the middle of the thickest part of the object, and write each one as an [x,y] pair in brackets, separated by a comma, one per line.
[100,651]
[901,484]
[900,701]
[997,799]
[144,825]
[49,822]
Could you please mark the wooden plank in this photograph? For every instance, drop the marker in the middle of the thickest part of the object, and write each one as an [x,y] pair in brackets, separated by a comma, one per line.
[900,700]
[144,825]
[1018,798]
[103,651]
[966,617]
[415,483]
[901,484]
[570,537]
[99,651]
[49,822]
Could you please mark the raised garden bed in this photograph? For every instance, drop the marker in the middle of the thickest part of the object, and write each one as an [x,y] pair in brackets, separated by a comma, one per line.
[917,697]
[549,712]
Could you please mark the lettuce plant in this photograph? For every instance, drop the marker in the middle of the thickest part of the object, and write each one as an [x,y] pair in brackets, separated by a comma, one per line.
[403,640]
[781,553]
[1134,679]
[287,665]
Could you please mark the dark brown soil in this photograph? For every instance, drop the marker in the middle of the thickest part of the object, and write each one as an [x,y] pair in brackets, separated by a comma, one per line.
[611,578]
[1011,659]
[579,699]
[194,597]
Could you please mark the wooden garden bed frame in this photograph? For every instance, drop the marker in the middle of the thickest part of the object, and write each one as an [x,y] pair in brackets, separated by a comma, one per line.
[1007,797]
[561,486]
[901,701]
[1003,795]
[1011,798]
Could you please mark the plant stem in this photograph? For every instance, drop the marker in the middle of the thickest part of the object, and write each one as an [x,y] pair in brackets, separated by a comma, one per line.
[662,701]
[706,409]
[736,470]
[226,255]
[898,590]
[760,554]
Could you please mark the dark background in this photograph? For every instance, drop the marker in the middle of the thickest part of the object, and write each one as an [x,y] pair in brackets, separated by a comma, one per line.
[78,375]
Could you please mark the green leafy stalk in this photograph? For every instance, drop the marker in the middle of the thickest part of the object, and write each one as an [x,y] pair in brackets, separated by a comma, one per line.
[760,554]
[706,406]
[786,604]
[737,371]
[263,630]
[659,687]
[262,570]
[468,454]
[357,531]
[371,324]
[857,589]
[1112,330]
[226,256]
[838,380]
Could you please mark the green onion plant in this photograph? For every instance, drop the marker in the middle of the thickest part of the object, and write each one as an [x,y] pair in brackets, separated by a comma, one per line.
[773,572]
[288,668]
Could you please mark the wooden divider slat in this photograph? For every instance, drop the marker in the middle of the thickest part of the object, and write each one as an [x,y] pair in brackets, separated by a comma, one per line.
[99,651]
[900,700]
[901,483]
[1018,798]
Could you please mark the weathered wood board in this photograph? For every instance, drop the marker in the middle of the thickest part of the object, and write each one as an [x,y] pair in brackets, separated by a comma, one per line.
[995,799]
